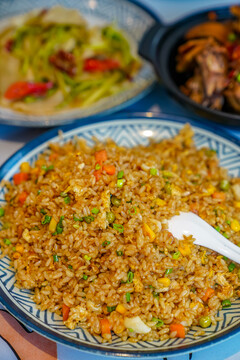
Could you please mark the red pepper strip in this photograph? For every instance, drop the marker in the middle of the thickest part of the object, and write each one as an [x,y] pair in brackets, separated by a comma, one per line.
[21,89]
[9,45]
[94,65]
[236,53]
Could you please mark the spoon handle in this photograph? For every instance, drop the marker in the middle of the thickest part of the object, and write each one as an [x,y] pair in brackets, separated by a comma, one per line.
[205,235]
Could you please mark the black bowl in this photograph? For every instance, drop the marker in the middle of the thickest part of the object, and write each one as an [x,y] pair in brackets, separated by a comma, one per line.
[159,45]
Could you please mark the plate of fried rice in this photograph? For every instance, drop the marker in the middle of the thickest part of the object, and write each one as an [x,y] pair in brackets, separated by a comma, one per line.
[86,256]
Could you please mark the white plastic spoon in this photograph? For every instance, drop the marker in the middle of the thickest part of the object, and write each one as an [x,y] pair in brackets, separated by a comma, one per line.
[205,235]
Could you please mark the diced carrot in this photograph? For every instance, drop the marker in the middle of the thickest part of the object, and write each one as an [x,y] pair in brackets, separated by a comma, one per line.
[105,326]
[53,156]
[179,328]
[208,294]
[110,169]
[19,178]
[22,197]
[219,195]
[193,208]
[101,156]
[65,311]
[97,174]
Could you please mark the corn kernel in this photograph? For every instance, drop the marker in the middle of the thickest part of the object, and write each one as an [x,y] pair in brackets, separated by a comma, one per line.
[25,167]
[189,172]
[16,255]
[160,202]
[210,190]
[148,187]
[121,309]
[235,226]
[19,248]
[184,249]
[35,170]
[39,162]
[138,286]
[149,231]
[176,190]
[196,304]
[204,258]
[174,167]
[210,273]
[237,204]
[52,225]
[67,189]
[164,281]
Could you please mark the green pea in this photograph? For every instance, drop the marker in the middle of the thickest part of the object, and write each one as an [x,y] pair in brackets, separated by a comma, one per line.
[110,217]
[232,37]
[95,211]
[153,171]
[224,185]
[115,201]
[205,321]
[226,303]
[85,277]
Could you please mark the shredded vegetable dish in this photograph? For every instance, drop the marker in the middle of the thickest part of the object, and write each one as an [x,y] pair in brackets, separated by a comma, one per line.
[51,61]
[85,229]
[210,59]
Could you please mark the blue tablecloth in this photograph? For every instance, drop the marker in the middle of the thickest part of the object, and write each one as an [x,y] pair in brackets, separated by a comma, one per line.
[158,101]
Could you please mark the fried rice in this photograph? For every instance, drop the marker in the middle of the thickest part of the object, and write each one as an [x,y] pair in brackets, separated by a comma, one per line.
[85,229]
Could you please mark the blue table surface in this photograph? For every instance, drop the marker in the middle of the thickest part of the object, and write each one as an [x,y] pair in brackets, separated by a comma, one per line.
[158,101]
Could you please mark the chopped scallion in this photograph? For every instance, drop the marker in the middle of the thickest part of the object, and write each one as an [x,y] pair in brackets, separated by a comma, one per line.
[111,308]
[67,200]
[106,243]
[231,267]
[128,297]
[2,212]
[7,241]
[119,253]
[55,258]
[46,220]
[118,227]
[130,277]
[120,174]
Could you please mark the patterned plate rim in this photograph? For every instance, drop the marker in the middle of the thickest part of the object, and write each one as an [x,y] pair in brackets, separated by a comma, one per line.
[118,120]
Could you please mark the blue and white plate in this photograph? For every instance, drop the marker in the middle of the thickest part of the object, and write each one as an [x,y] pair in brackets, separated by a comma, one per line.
[125,130]
[134,19]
